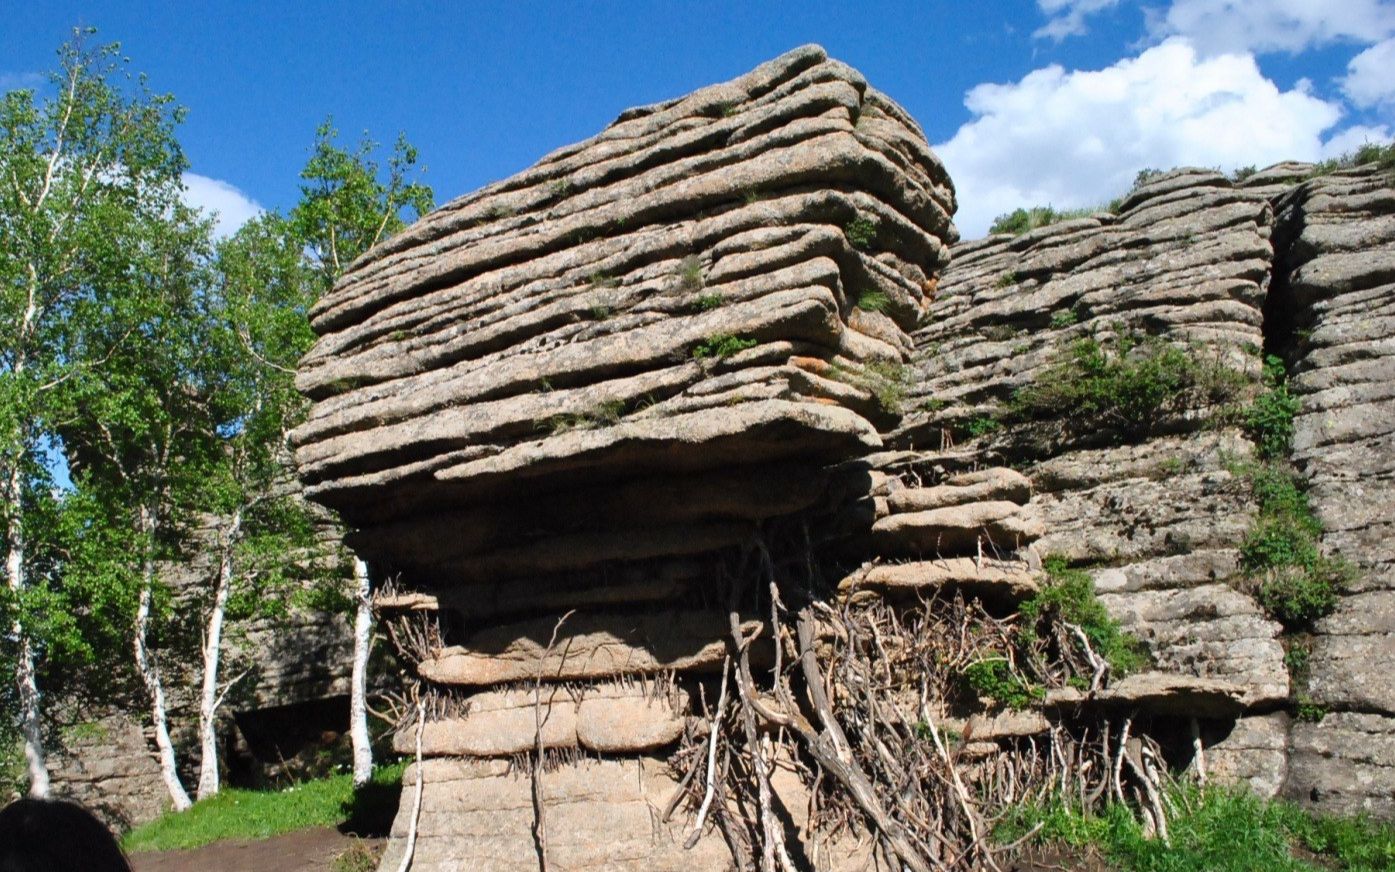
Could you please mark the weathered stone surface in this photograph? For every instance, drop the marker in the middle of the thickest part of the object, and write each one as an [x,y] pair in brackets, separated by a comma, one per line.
[478,814]
[1159,692]
[614,718]
[1004,579]
[1254,753]
[587,646]
[1000,526]
[1344,764]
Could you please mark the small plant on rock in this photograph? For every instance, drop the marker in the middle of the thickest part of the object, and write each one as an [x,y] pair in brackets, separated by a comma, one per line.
[1064,318]
[873,301]
[861,233]
[708,302]
[722,345]
[690,273]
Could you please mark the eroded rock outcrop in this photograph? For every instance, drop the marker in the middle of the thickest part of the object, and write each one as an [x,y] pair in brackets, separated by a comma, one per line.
[689,440]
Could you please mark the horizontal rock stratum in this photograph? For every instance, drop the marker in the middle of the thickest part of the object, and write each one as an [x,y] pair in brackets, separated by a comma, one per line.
[678,294]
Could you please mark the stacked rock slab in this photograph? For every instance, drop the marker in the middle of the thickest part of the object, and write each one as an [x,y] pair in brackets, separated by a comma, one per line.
[1189,257]
[1336,282]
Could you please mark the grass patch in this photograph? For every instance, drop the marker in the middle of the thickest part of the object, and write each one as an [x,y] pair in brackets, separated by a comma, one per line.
[722,345]
[873,301]
[994,678]
[255,814]
[1064,318]
[690,273]
[1218,830]
[600,415]
[708,302]
[1019,221]
[1006,280]
[1383,156]
[1127,386]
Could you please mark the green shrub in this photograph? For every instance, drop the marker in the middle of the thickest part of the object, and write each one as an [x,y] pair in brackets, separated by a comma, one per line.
[1126,386]
[1006,280]
[861,232]
[888,382]
[1064,318]
[708,302]
[1069,595]
[993,678]
[722,345]
[983,425]
[1019,221]
[1145,176]
[1242,173]
[1298,584]
[1269,420]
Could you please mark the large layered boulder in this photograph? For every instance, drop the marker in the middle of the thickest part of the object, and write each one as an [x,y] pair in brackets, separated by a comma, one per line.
[592,423]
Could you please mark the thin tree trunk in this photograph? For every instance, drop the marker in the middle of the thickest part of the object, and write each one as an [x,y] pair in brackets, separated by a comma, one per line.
[150,675]
[25,680]
[358,695]
[212,649]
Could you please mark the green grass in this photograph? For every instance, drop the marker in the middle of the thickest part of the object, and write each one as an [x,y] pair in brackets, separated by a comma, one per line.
[861,233]
[873,301]
[1019,221]
[255,814]
[1069,595]
[1219,830]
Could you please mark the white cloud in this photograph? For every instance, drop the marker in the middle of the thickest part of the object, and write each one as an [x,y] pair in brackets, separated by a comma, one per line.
[1370,78]
[1076,139]
[1216,26]
[232,207]
[1067,17]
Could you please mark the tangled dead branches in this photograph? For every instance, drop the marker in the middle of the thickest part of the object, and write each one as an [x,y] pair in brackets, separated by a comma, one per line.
[866,705]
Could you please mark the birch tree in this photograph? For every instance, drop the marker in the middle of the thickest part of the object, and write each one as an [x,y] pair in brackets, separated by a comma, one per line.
[84,173]
[349,203]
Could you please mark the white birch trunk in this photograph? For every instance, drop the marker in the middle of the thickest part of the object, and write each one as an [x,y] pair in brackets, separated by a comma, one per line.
[358,695]
[150,675]
[212,650]
[25,680]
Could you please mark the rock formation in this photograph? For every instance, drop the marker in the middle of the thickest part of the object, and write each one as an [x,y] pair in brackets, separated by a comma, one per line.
[689,467]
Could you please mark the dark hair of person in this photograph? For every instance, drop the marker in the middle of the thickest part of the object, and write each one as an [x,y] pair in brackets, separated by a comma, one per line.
[50,835]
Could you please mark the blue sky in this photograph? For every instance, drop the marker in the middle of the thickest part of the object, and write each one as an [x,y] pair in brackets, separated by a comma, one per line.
[1052,101]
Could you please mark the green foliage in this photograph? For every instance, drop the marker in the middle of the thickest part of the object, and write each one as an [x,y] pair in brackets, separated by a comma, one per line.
[362,856]
[600,415]
[722,345]
[995,679]
[1269,420]
[601,280]
[1383,156]
[1064,318]
[873,301]
[861,233]
[1308,711]
[1069,596]
[1219,830]
[252,814]
[690,273]
[1242,173]
[1297,583]
[600,312]
[1146,175]
[708,302]
[1019,221]
[1006,280]
[983,425]
[1127,386]
[349,202]
[888,383]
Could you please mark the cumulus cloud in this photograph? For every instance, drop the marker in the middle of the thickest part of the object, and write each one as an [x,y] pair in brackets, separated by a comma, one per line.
[214,197]
[1067,17]
[1217,26]
[1076,139]
[1370,78]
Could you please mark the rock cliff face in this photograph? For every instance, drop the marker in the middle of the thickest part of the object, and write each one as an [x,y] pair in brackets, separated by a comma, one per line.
[699,409]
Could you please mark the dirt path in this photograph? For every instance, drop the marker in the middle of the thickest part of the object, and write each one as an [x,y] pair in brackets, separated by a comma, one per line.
[303,851]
